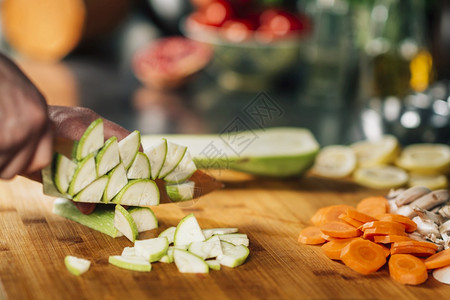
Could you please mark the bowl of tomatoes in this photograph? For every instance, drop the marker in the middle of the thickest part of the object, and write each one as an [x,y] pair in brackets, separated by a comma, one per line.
[253,44]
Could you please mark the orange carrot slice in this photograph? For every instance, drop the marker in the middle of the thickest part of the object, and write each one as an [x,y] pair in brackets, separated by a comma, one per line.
[414,250]
[385,249]
[438,260]
[407,269]
[340,230]
[383,224]
[415,243]
[387,239]
[326,237]
[363,256]
[330,238]
[371,232]
[319,216]
[373,206]
[350,220]
[329,214]
[311,235]
[333,248]
[362,217]
[409,224]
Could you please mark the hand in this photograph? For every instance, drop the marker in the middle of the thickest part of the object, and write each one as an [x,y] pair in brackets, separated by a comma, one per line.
[25,133]
[71,122]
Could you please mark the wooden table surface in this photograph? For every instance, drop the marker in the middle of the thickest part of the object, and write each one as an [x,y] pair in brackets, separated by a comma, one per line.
[34,242]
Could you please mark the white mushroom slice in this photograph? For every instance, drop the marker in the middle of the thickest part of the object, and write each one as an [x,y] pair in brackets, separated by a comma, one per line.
[393,193]
[430,200]
[406,211]
[393,208]
[417,236]
[426,227]
[445,240]
[426,214]
[436,209]
[445,227]
[445,211]
[411,195]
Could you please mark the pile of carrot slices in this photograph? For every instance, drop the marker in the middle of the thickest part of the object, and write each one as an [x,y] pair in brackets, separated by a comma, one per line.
[367,237]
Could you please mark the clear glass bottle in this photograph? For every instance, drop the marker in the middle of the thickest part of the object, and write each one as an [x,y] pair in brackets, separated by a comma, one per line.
[330,55]
[395,59]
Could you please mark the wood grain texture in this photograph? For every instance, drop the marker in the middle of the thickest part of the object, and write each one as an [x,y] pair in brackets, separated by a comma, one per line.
[34,242]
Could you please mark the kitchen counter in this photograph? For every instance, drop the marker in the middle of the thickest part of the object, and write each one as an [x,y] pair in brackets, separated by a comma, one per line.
[34,242]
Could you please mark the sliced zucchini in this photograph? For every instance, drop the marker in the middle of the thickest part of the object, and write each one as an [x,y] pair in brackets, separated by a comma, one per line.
[108,156]
[91,140]
[157,156]
[138,192]
[140,167]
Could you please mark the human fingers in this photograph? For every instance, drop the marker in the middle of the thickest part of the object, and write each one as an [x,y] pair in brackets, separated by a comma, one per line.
[71,122]
[85,208]
[18,160]
[43,153]
[112,129]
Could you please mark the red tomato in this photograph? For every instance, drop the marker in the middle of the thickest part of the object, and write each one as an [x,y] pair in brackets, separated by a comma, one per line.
[217,12]
[237,30]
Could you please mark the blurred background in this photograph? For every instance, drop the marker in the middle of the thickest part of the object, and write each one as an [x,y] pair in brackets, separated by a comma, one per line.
[346,69]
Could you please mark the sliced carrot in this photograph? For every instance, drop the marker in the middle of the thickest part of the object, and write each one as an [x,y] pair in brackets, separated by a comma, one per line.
[371,232]
[330,238]
[387,239]
[350,220]
[415,243]
[409,224]
[363,256]
[326,237]
[438,260]
[360,216]
[383,224]
[340,230]
[373,206]
[333,248]
[414,250]
[385,249]
[329,214]
[318,218]
[311,235]
[407,269]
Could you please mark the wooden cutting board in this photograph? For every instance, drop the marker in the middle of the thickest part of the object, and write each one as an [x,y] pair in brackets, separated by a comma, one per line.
[34,242]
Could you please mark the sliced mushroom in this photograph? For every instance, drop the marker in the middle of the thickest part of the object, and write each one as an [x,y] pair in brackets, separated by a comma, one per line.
[445,240]
[406,211]
[411,195]
[429,215]
[430,200]
[394,193]
[445,211]
[417,236]
[393,208]
[426,227]
[436,209]
[445,227]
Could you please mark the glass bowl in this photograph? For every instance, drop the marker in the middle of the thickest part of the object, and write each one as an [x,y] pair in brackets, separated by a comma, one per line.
[250,64]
